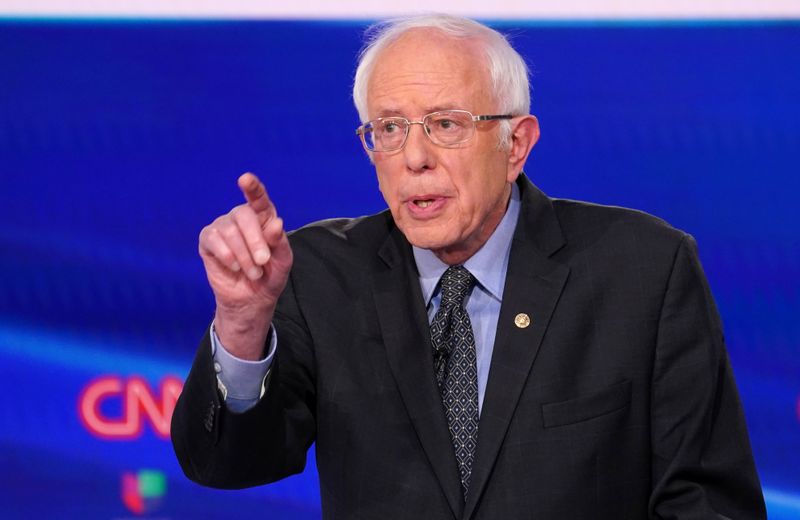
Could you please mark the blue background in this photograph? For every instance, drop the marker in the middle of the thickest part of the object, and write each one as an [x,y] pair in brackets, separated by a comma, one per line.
[119,141]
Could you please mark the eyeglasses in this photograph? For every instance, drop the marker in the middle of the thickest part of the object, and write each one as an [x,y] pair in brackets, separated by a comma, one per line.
[447,128]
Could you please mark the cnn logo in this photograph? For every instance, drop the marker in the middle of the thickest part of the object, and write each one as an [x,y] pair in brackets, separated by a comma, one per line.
[138,403]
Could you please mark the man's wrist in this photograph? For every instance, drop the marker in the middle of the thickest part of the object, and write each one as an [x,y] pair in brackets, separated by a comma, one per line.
[243,337]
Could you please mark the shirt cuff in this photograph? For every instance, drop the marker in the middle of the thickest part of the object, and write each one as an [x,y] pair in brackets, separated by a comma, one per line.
[241,382]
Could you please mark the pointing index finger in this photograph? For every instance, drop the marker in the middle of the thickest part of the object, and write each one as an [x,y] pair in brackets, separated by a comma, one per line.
[256,195]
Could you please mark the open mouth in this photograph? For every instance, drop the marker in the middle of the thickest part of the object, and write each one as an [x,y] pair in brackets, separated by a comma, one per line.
[426,206]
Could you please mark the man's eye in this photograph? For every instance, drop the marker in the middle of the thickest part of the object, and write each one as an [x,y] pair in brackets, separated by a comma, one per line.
[446,124]
[390,127]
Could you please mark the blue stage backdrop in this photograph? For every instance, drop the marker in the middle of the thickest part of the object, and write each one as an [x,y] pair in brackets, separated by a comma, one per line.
[119,141]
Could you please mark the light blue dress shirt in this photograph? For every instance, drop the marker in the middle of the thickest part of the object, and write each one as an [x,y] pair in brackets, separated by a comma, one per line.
[241,382]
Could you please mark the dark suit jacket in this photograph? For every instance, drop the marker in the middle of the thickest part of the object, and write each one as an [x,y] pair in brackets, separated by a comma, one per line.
[617,401]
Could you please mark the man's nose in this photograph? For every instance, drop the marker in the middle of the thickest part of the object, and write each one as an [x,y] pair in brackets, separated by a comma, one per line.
[418,150]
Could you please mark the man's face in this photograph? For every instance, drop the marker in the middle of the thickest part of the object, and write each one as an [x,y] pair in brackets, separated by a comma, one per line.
[448,200]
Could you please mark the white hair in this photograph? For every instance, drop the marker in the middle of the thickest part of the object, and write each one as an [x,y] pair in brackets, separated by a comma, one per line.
[507,69]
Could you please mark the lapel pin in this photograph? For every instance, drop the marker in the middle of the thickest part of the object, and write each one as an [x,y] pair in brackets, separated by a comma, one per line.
[522,320]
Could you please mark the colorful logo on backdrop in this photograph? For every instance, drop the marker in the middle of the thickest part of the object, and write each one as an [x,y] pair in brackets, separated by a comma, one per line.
[143,491]
[115,408]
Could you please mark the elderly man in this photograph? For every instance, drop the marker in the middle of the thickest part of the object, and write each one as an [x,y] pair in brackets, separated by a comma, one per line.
[478,351]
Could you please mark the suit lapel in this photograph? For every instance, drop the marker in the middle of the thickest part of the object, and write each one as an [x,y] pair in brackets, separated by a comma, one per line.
[404,325]
[533,286]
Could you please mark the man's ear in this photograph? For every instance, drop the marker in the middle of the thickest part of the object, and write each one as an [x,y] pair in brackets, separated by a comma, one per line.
[525,133]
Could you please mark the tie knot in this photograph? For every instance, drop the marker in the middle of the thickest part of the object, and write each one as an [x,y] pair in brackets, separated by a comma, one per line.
[456,284]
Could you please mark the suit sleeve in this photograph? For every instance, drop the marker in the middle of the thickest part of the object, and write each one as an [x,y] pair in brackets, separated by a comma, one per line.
[220,448]
[702,463]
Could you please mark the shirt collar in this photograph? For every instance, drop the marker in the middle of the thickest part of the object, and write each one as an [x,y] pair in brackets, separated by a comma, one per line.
[483,264]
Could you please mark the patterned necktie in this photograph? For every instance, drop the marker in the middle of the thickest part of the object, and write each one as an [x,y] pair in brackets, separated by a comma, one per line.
[455,367]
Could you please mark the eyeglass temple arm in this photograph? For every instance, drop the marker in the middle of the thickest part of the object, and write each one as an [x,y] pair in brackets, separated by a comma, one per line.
[492,117]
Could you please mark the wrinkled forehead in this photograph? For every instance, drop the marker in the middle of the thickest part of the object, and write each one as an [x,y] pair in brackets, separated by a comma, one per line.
[427,68]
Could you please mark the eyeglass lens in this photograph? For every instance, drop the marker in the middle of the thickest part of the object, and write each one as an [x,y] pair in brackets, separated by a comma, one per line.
[444,128]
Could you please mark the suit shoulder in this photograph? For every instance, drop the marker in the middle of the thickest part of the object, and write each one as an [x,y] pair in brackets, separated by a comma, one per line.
[628,250]
[366,232]
[582,219]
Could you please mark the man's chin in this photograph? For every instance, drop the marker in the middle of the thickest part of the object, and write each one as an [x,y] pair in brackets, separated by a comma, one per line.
[435,236]
[425,240]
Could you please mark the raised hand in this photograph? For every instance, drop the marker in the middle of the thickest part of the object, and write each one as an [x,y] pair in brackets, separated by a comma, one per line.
[247,258]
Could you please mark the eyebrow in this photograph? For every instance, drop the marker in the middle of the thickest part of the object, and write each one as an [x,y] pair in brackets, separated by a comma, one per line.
[392,112]
[446,106]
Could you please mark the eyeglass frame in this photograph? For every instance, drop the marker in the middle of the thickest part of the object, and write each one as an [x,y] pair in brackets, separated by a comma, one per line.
[360,131]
